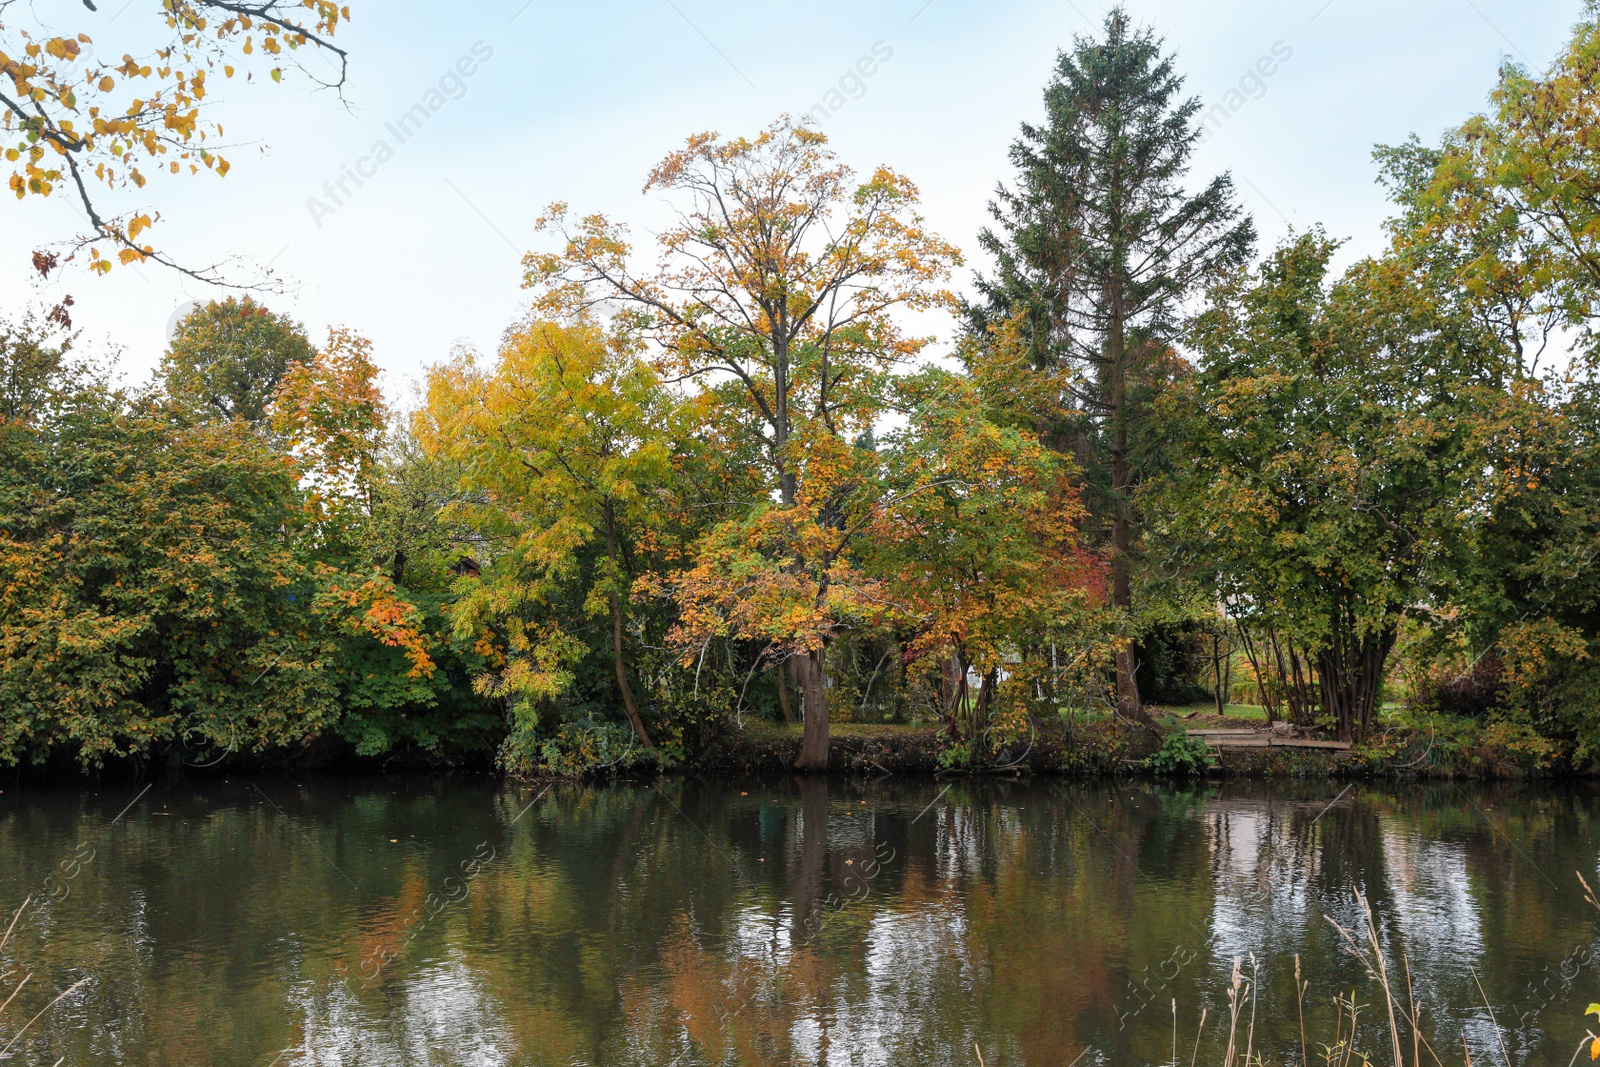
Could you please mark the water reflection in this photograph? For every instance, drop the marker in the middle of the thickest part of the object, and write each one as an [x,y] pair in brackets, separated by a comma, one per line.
[792,921]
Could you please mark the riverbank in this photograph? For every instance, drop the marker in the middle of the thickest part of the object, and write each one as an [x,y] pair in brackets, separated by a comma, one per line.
[1440,750]
[1403,748]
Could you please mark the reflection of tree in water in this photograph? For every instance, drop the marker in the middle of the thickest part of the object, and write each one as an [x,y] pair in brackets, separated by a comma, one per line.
[1264,863]
[1036,942]
[807,882]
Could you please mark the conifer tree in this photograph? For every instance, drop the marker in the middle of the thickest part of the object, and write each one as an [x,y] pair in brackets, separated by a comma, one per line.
[1099,247]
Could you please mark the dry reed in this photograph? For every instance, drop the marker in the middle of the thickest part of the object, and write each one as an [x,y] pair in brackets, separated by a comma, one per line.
[5,1050]
[1402,1020]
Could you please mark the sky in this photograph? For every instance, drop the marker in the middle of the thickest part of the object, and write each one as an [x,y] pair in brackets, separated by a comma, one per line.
[576,102]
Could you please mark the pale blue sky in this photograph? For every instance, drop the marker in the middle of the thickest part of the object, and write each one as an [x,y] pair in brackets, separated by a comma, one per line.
[578,101]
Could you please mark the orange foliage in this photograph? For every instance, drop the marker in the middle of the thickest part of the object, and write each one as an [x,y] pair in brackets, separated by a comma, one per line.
[374,609]
[333,413]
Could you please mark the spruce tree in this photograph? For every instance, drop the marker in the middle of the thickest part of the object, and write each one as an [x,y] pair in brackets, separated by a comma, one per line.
[1099,249]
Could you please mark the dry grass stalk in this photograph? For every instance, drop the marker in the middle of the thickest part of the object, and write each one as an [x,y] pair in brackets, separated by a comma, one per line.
[1198,1031]
[1300,998]
[3,942]
[1255,983]
[1233,1013]
[6,1050]
[1343,1052]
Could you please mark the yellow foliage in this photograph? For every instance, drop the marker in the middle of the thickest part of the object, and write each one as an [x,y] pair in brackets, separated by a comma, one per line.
[159,121]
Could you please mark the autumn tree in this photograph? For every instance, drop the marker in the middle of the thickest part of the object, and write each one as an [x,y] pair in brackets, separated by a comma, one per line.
[1500,221]
[785,277]
[1099,249]
[410,532]
[982,557]
[567,441]
[36,369]
[199,586]
[227,358]
[329,414]
[81,124]
[788,578]
[1478,258]
[329,420]
[155,593]
[1336,431]
[1528,171]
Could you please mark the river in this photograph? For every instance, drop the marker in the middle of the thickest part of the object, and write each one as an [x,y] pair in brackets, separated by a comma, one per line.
[276,922]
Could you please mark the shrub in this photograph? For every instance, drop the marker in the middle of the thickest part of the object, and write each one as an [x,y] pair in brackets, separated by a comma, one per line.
[574,750]
[1469,692]
[1180,756]
[958,754]
[1101,748]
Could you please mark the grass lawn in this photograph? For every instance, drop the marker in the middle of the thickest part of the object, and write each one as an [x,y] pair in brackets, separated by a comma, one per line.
[1175,716]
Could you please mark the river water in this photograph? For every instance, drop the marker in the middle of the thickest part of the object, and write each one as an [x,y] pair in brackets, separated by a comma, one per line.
[270,923]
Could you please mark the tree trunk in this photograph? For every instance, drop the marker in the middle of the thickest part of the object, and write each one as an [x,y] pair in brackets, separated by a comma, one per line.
[783,692]
[1264,687]
[1227,668]
[814,709]
[1285,677]
[622,675]
[788,482]
[1351,673]
[1216,669]
[810,671]
[616,637]
[1128,703]
[951,677]
[1300,704]
[980,714]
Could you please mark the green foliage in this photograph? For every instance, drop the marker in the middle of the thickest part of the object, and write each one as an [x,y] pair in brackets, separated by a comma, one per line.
[385,707]
[1497,225]
[227,358]
[573,750]
[982,557]
[1336,431]
[1180,756]
[1173,656]
[1444,746]
[1102,748]
[563,444]
[407,536]
[36,370]
[172,582]
[1099,245]
[955,754]
[149,593]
